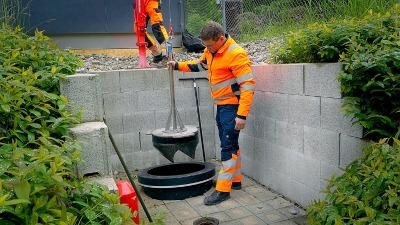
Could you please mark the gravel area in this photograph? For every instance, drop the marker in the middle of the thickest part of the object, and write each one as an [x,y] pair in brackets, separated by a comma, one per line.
[257,51]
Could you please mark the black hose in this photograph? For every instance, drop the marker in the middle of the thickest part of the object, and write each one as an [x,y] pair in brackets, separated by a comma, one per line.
[198,117]
[128,173]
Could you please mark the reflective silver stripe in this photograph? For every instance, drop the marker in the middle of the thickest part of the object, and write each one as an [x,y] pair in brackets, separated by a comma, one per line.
[237,93]
[233,47]
[225,176]
[176,186]
[248,87]
[244,77]
[231,163]
[223,84]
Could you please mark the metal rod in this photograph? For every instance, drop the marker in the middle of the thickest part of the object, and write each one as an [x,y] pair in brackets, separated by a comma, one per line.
[128,174]
[172,93]
[198,117]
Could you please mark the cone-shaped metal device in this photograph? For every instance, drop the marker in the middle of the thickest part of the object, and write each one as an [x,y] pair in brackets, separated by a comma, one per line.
[175,137]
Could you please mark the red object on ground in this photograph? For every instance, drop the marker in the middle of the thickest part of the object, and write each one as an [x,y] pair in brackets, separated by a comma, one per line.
[128,196]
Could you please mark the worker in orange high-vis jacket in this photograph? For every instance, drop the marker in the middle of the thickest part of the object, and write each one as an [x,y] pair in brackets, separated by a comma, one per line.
[232,90]
[153,13]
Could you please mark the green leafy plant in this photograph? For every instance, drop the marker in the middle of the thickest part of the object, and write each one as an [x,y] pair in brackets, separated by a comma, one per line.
[368,191]
[37,183]
[369,48]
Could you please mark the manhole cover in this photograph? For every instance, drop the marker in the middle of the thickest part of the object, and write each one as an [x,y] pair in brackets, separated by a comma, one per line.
[206,221]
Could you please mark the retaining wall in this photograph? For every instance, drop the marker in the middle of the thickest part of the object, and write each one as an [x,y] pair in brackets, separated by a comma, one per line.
[295,136]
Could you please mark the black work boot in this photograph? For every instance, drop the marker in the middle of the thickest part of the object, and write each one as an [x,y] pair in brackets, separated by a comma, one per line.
[216,197]
[236,185]
[157,58]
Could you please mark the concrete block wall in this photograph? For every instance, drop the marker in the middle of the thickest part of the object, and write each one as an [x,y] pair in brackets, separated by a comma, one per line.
[296,135]
[136,102]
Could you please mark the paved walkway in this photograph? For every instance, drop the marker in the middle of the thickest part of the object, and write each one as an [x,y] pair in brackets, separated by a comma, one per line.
[253,205]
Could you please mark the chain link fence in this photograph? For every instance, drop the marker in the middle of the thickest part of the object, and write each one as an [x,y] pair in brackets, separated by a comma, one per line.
[248,20]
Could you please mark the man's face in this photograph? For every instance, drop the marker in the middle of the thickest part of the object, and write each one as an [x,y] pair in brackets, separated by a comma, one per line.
[214,45]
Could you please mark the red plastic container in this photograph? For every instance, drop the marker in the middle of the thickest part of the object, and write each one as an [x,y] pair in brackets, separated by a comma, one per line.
[128,196]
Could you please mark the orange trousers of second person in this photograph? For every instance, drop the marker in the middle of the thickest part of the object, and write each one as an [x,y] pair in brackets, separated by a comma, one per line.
[154,14]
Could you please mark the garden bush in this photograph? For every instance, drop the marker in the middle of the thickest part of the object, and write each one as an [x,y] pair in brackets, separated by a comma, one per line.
[369,48]
[368,191]
[37,185]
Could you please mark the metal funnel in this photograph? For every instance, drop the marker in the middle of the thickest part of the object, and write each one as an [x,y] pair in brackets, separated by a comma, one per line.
[175,137]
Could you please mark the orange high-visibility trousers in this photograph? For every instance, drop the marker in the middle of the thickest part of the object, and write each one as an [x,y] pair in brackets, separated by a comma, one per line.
[230,172]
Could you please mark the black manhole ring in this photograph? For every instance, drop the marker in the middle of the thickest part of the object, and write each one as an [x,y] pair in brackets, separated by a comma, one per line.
[206,221]
[177,181]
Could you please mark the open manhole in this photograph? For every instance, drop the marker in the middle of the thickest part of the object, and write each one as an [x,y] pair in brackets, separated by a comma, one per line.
[206,221]
[177,181]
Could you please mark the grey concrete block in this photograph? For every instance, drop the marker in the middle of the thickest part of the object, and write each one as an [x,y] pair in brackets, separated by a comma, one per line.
[351,148]
[114,124]
[290,136]
[304,110]
[305,195]
[161,79]
[278,158]
[93,137]
[206,115]
[288,79]
[258,122]
[139,121]
[153,100]
[250,126]
[334,119]
[130,102]
[114,104]
[109,81]
[260,150]
[184,97]
[246,143]
[321,145]
[270,134]
[131,141]
[305,169]
[272,105]
[327,170]
[321,79]
[84,94]
[263,76]
[136,80]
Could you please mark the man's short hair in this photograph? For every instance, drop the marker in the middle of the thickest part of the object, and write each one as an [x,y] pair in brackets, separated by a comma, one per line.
[211,30]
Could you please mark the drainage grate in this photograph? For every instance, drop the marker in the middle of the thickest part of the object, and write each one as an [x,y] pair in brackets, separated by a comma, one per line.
[206,221]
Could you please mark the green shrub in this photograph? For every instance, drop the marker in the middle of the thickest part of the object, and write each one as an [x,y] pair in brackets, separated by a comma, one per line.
[370,50]
[367,193]
[37,183]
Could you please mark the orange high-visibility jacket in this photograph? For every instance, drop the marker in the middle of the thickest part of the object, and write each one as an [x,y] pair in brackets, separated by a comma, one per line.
[229,74]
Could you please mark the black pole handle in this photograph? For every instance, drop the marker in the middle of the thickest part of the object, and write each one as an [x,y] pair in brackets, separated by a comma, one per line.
[198,117]
[128,173]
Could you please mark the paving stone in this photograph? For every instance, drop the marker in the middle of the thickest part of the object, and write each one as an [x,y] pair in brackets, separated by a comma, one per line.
[286,211]
[259,208]
[247,200]
[286,222]
[195,201]
[228,204]
[250,220]
[221,216]
[185,214]
[271,216]
[169,219]
[254,189]
[265,195]
[206,209]
[278,203]
[238,212]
